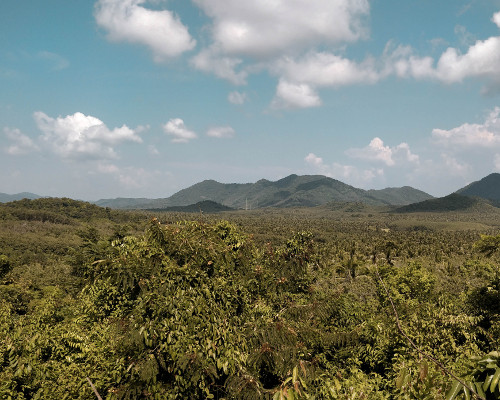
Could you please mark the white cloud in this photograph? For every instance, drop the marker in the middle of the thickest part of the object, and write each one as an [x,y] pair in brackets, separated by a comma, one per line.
[293,95]
[263,28]
[477,135]
[81,136]
[375,151]
[176,128]
[160,30]
[482,60]
[390,156]
[21,144]
[237,98]
[313,159]
[301,77]
[211,60]
[221,132]
[402,154]
[326,69]
[496,19]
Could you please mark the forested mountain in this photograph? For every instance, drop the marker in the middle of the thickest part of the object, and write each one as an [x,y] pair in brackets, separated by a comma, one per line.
[486,188]
[292,191]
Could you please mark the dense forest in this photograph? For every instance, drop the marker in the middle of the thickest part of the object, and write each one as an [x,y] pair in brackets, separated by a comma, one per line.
[337,302]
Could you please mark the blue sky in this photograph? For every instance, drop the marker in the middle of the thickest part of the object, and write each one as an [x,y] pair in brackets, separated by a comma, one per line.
[136,98]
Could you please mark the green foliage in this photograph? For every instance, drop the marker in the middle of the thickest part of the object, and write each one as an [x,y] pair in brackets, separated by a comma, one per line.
[240,309]
[5,266]
[488,244]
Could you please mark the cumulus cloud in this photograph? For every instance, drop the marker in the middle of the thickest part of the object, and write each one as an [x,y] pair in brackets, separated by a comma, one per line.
[263,28]
[324,69]
[314,160]
[83,136]
[390,156]
[261,35]
[477,135]
[496,19]
[375,151]
[237,98]
[213,61]
[221,132]
[327,69]
[21,144]
[176,128]
[160,30]
[481,60]
[295,95]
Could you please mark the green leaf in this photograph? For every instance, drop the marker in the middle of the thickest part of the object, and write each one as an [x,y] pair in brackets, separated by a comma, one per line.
[479,389]
[400,379]
[453,392]
[494,381]
[487,382]
[466,393]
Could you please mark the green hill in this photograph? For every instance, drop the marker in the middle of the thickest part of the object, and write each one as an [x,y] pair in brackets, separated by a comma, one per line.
[452,202]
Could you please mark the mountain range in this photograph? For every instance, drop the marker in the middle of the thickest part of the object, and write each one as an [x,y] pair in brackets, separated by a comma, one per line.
[292,191]
[304,191]
[5,198]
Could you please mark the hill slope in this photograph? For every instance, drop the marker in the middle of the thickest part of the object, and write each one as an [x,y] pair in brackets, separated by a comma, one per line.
[486,188]
[452,202]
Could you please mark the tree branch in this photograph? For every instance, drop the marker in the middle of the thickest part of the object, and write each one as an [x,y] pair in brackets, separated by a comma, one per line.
[94,389]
